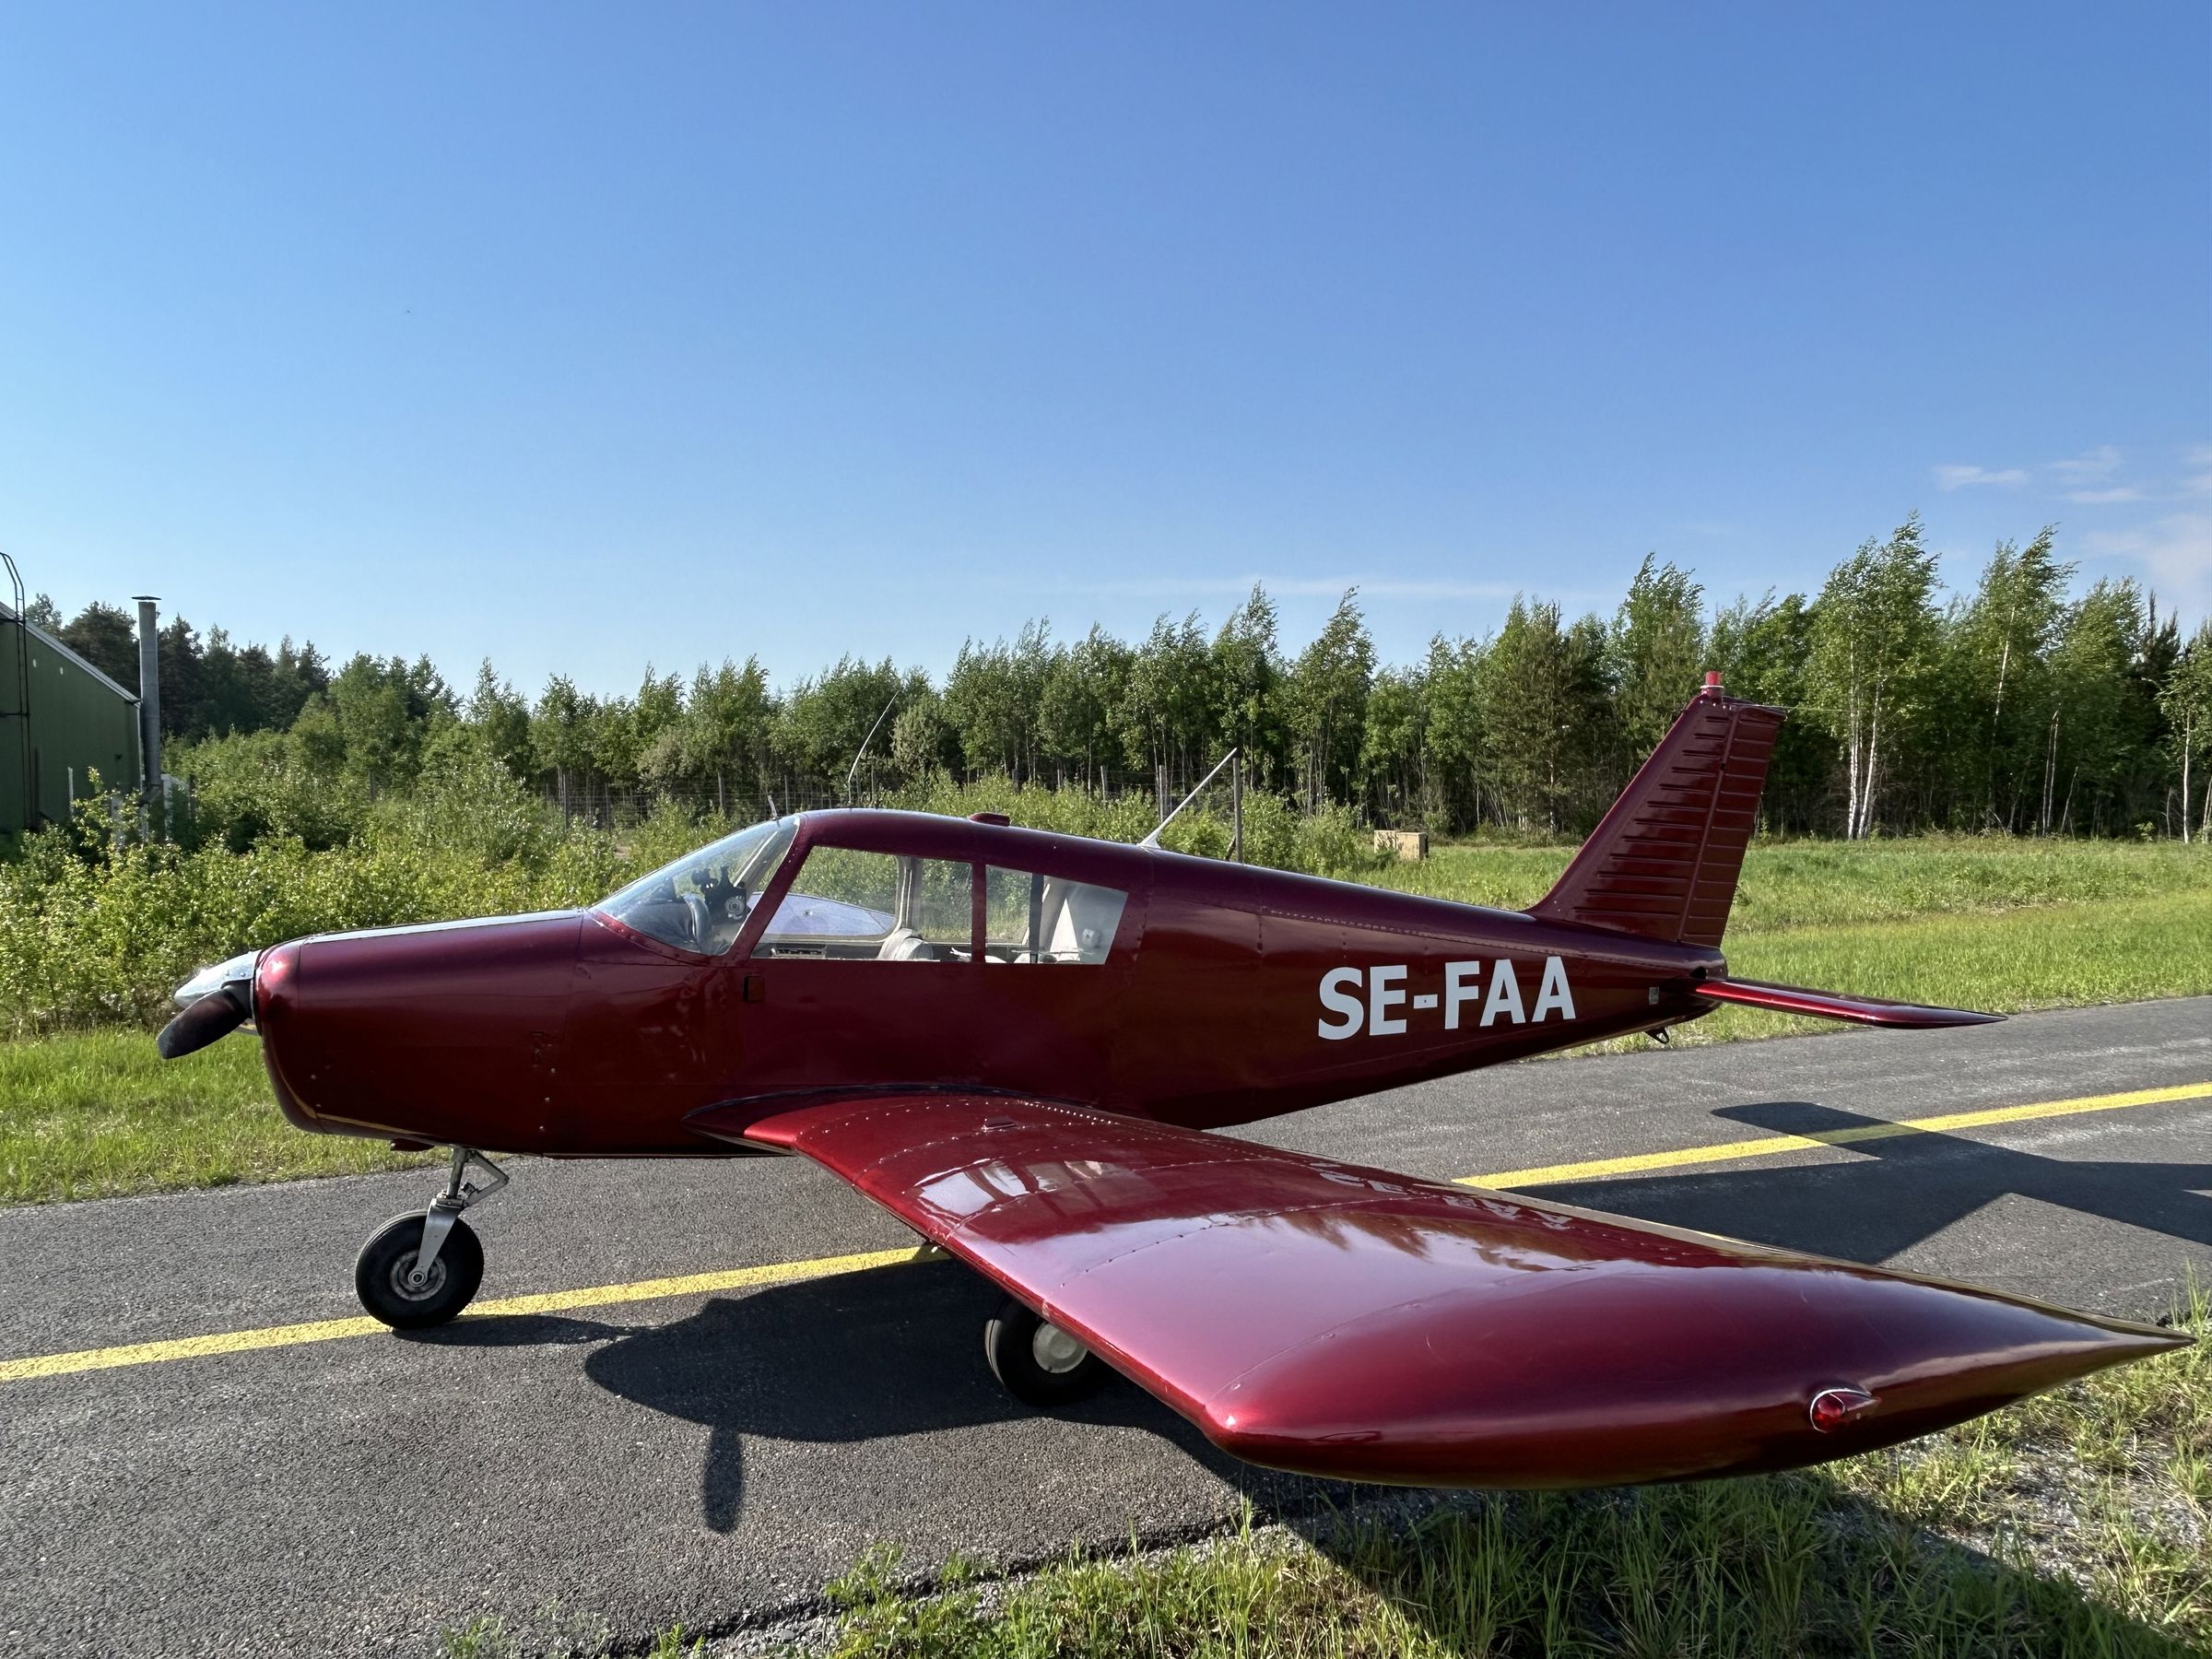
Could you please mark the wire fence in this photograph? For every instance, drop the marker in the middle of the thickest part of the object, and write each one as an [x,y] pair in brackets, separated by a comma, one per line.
[1215,787]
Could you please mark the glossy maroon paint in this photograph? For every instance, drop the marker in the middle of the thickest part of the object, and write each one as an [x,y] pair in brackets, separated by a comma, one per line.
[1663,860]
[1341,1320]
[445,1032]
[572,1034]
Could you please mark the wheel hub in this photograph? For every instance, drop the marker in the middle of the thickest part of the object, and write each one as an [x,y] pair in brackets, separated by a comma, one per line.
[1057,1351]
[403,1282]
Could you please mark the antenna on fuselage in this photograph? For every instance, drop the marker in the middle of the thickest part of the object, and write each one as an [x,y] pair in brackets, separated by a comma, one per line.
[1153,840]
[853,770]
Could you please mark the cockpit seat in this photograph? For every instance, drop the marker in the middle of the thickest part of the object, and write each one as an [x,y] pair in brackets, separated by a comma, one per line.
[904,945]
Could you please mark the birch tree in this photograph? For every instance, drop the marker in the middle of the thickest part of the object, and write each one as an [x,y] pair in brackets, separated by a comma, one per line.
[2186,701]
[1085,688]
[727,728]
[1327,690]
[1247,676]
[1761,649]
[2001,645]
[1656,651]
[1874,627]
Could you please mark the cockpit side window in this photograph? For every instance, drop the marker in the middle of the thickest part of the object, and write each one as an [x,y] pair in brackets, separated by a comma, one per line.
[1033,918]
[701,901]
[848,904]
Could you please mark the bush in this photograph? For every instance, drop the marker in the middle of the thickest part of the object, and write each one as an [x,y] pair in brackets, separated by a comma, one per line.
[93,931]
[247,789]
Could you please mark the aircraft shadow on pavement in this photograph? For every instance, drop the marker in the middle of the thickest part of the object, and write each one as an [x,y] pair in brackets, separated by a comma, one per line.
[1887,1194]
[853,1357]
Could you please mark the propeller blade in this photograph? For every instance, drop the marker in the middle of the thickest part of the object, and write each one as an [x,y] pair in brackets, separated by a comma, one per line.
[205,1020]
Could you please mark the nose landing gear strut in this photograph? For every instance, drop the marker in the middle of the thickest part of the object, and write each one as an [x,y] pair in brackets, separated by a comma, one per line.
[421,1268]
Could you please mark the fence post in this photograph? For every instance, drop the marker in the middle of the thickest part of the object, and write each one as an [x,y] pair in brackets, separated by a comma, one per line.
[1236,808]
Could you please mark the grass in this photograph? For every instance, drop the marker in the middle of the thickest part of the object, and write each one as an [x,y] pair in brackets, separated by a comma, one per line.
[2004,961]
[2075,1523]
[1789,885]
[91,1114]
[1972,922]
[2071,1525]
[2005,926]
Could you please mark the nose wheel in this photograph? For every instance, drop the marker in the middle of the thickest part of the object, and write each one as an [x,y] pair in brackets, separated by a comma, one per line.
[1039,1364]
[422,1268]
[396,1288]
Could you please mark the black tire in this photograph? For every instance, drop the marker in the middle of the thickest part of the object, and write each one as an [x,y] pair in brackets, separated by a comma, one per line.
[1032,1360]
[379,1273]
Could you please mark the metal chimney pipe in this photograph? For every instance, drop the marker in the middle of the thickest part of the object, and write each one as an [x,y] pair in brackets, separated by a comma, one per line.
[149,697]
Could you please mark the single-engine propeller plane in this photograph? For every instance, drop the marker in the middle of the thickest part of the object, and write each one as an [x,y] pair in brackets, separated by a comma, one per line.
[829,984]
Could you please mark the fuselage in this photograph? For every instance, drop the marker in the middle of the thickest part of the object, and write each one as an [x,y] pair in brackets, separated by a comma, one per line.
[1227,993]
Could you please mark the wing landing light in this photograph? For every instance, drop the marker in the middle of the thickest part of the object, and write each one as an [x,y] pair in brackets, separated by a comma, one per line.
[1339,1321]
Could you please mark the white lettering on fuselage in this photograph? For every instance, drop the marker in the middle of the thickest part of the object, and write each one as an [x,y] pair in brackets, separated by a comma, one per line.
[1348,1013]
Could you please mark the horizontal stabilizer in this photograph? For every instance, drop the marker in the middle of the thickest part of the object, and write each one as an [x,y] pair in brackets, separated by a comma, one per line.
[1827,1005]
[1338,1320]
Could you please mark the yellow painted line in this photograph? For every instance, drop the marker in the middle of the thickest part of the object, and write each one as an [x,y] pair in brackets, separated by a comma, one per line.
[1769,1145]
[332,1330]
[784,1272]
[697,1284]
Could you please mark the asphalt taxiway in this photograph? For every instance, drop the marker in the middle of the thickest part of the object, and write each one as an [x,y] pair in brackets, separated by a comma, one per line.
[694,1390]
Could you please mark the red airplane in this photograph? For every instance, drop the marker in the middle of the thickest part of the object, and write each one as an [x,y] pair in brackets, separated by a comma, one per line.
[827,984]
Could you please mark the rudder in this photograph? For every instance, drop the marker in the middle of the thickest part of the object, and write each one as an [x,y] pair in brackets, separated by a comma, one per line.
[1663,861]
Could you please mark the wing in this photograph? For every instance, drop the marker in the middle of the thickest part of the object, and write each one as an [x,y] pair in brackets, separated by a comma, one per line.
[1339,1321]
[1829,1005]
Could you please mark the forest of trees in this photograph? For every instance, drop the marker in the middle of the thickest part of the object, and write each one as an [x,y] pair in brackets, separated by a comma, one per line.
[2022,706]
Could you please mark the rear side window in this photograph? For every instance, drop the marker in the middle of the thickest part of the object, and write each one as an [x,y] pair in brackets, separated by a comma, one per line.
[1048,920]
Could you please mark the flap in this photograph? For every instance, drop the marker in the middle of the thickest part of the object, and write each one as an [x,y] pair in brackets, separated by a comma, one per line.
[1336,1320]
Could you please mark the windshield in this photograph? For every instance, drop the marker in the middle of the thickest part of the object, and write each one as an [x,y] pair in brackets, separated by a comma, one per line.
[700,902]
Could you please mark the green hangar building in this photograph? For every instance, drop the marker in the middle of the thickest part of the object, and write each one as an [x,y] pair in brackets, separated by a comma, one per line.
[61,721]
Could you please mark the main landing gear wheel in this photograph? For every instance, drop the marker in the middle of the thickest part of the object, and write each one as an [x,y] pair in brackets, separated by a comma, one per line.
[1039,1364]
[421,1269]
[385,1278]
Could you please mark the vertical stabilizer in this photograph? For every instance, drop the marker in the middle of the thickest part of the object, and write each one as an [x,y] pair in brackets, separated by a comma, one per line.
[1663,863]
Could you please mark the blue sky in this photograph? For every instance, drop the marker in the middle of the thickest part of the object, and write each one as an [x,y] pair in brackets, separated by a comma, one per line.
[581,337]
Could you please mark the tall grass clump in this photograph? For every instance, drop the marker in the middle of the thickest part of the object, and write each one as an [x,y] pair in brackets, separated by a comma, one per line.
[1763,1568]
